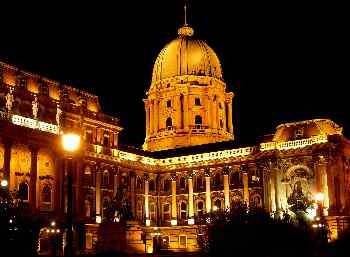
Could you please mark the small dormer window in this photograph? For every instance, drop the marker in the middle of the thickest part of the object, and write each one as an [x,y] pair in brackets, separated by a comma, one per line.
[168,103]
[168,85]
[299,133]
[197,101]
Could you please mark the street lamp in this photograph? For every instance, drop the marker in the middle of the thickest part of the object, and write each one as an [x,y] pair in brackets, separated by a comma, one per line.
[4,183]
[70,143]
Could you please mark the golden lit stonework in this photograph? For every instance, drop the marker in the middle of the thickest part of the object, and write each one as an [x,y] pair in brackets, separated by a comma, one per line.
[187,103]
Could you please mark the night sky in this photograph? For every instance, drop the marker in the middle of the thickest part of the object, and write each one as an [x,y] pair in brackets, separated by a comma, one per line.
[284,62]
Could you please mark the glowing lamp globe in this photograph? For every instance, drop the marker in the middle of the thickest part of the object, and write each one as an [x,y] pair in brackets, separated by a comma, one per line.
[4,183]
[70,142]
[319,197]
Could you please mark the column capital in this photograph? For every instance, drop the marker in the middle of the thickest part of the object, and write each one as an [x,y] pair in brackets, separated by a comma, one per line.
[226,170]
[207,172]
[173,177]
[146,177]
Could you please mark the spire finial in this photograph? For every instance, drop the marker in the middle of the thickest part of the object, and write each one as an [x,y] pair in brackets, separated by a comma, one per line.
[185,30]
[185,9]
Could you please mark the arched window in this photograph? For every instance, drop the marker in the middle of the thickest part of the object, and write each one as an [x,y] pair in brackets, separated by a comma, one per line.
[23,191]
[200,208]
[183,210]
[182,183]
[169,123]
[166,185]
[218,204]
[152,185]
[198,121]
[46,194]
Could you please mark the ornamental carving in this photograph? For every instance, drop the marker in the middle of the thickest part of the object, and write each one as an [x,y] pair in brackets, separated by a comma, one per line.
[9,99]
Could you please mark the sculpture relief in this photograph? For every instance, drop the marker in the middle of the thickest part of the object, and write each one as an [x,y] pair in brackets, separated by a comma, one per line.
[35,107]
[9,100]
[58,115]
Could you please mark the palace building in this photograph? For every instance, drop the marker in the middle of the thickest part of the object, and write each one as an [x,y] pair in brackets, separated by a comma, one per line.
[190,163]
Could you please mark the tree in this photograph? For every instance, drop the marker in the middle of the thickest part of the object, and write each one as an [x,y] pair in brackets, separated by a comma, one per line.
[246,231]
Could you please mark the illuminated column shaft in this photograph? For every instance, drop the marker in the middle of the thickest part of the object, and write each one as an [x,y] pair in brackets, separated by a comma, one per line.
[229,113]
[146,199]
[98,193]
[186,113]
[115,184]
[207,194]
[179,113]
[209,113]
[277,190]
[214,114]
[7,160]
[226,192]
[245,188]
[190,198]
[322,181]
[156,116]
[173,200]
[147,118]
[33,176]
[151,119]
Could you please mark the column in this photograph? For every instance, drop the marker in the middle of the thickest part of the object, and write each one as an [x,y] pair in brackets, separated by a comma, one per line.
[173,202]
[179,114]
[151,119]
[33,175]
[245,188]
[98,195]
[213,109]
[207,193]
[226,192]
[146,202]
[229,114]
[186,113]
[147,117]
[133,192]
[115,184]
[156,116]
[321,182]
[277,190]
[267,189]
[209,112]
[190,201]
[7,159]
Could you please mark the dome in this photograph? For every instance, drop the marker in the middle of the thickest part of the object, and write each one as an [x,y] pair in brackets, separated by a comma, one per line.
[186,56]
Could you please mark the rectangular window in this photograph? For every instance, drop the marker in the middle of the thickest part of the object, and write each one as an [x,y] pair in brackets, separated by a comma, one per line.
[168,103]
[197,101]
[182,241]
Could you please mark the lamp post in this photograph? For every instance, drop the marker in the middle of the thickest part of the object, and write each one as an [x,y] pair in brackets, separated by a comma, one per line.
[70,143]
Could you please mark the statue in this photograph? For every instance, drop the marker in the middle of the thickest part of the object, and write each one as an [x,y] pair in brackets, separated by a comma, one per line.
[9,100]
[58,115]
[35,107]
[297,199]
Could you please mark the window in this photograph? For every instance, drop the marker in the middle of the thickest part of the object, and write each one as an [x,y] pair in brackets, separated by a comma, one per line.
[88,136]
[218,204]
[299,133]
[198,121]
[169,123]
[82,102]
[197,101]
[182,241]
[44,89]
[183,211]
[22,81]
[46,194]
[139,183]
[166,212]
[166,185]
[182,183]
[105,179]
[199,183]
[221,124]
[152,185]
[200,208]
[23,191]
[220,106]
[105,138]
[217,180]
[168,103]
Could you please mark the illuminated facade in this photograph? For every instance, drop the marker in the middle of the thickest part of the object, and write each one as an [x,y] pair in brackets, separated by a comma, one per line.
[190,164]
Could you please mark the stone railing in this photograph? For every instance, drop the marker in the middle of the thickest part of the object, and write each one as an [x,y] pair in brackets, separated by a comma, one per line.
[294,144]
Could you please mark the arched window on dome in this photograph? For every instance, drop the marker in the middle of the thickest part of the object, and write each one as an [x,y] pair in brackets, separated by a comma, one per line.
[169,123]
[198,121]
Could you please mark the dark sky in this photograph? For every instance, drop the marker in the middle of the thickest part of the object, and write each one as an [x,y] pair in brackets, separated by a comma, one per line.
[284,62]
